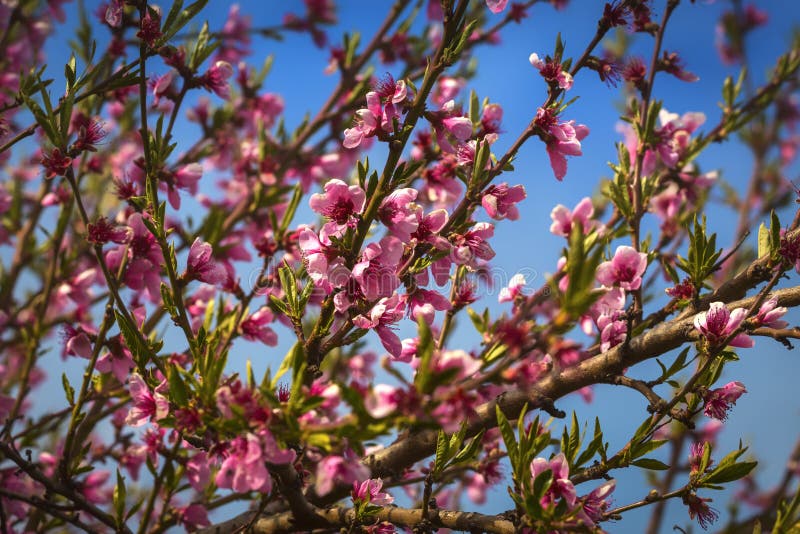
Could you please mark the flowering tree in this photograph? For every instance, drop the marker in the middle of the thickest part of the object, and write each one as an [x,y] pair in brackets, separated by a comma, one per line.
[119,250]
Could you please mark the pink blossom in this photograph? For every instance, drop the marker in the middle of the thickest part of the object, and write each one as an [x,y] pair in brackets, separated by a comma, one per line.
[450,126]
[596,503]
[384,106]
[625,269]
[341,203]
[255,328]
[320,256]
[425,302]
[459,127]
[672,63]
[609,304]
[215,79]
[513,290]
[201,266]
[718,323]
[769,314]
[152,443]
[461,361]
[393,94]
[198,472]
[146,404]
[150,27]
[695,457]
[613,330]
[113,14]
[442,187]
[500,201]
[565,139]
[244,469]
[491,117]
[118,360]
[102,231]
[496,6]
[561,487]
[718,402]
[161,86]
[193,516]
[408,351]
[375,272]
[698,508]
[399,212]
[552,71]
[667,205]
[465,154]
[428,228]
[144,259]
[333,470]
[674,136]
[385,313]
[55,163]
[447,88]
[92,487]
[235,37]
[14,480]
[185,178]
[382,401]
[77,343]
[367,122]
[360,367]
[473,244]
[370,492]
[563,218]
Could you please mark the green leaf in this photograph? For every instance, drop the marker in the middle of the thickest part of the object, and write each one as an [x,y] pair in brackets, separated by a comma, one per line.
[70,72]
[120,493]
[729,473]
[291,209]
[69,391]
[775,233]
[474,108]
[442,450]
[650,463]
[177,388]
[593,447]
[471,450]
[508,437]
[179,20]
[541,484]
[477,320]
[129,332]
[177,5]
[424,377]
[644,448]
[764,247]
[288,363]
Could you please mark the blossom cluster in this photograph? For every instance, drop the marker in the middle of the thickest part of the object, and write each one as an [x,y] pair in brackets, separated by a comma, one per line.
[164,256]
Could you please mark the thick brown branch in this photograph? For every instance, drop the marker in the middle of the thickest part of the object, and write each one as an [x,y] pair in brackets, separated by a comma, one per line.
[650,344]
[402,517]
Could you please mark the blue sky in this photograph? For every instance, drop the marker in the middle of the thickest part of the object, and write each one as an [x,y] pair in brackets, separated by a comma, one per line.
[767,417]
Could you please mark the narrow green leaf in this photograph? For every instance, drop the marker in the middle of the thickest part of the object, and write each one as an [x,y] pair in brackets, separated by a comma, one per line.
[286,364]
[729,473]
[650,463]
[120,494]
[69,391]
[508,438]
[442,449]
[764,245]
